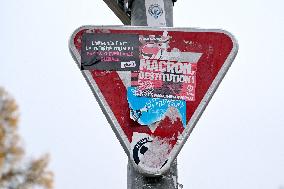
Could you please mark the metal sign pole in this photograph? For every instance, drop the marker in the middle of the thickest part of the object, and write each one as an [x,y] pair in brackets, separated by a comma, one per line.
[147,65]
[152,13]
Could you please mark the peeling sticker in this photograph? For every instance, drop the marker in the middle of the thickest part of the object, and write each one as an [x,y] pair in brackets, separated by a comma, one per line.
[166,79]
[156,155]
[104,51]
[147,111]
[140,144]
[153,46]
[165,72]
[150,151]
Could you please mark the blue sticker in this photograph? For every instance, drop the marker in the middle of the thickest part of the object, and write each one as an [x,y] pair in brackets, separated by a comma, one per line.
[155,10]
[147,111]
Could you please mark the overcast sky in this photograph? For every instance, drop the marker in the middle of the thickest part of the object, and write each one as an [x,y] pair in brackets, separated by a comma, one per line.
[237,144]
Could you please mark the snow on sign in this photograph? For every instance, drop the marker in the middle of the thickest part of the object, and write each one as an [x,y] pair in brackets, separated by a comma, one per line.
[152,83]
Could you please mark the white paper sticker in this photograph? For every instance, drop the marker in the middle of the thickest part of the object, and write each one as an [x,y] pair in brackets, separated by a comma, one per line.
[155,11]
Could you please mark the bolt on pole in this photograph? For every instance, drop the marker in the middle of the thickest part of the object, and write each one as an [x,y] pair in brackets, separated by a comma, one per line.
[140,17]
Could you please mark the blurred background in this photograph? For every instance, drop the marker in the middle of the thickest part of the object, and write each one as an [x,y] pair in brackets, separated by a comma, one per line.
[238,142]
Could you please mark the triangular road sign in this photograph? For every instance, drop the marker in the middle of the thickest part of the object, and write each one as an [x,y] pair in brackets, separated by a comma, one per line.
[152,84]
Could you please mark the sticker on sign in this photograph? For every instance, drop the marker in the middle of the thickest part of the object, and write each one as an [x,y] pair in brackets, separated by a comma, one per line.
[152,84]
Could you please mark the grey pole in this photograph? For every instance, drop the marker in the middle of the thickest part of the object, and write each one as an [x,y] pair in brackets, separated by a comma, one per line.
[135,180]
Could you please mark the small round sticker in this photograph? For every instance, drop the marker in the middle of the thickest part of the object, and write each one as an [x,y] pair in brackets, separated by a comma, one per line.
[155,10]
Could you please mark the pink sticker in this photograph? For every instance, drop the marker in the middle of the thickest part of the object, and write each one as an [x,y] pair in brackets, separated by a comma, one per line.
[165,72]
[166,79]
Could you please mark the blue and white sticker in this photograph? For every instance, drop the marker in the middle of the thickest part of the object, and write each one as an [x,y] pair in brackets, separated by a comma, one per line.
[155,11]
[147,111]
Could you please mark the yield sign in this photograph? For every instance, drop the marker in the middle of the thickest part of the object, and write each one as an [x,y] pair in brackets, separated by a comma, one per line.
[152,84]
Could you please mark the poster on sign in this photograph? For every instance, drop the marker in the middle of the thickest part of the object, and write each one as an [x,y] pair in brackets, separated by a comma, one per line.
[152,83]
[103,51]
